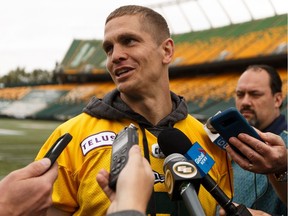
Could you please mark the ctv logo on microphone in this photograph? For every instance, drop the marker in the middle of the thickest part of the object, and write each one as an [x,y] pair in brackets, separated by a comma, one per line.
[201,158]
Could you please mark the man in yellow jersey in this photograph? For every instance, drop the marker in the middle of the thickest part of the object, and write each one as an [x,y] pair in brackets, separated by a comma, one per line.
[139,49]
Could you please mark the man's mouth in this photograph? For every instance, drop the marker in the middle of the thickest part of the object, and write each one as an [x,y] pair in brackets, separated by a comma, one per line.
[247,113]
[122,71]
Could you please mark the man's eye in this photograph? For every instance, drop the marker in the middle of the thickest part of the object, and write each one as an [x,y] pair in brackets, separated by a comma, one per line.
[108,49]
[256,95]
[239,95]
[128,41]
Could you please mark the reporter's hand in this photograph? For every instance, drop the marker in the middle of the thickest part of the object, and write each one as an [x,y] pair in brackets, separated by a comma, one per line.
[262,158]
[134,185]
[27,191]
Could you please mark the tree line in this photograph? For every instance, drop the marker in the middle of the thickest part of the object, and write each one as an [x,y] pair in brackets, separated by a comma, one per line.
[20,76]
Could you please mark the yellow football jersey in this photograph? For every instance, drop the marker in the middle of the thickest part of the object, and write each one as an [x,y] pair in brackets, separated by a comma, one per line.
[76,189]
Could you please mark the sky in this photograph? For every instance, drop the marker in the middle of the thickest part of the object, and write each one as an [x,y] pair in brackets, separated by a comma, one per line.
[35,34]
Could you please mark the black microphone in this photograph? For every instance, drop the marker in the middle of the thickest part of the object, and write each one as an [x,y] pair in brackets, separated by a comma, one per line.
[173,140]
[179,173]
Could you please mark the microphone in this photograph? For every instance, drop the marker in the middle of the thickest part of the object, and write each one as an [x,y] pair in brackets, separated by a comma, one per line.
[178,176]
[173,140]
[229,123]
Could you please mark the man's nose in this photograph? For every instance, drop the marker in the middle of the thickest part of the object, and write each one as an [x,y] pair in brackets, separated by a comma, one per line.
[118,54]
[246,100]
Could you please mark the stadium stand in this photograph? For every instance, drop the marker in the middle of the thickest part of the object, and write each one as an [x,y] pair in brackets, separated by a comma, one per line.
[205,94]
[245,40]
[205,69]
[14,93]
[240,41]
[37,99]
[8,95]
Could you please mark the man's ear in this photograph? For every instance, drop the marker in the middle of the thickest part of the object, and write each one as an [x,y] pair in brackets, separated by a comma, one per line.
[278,99]
[168,49]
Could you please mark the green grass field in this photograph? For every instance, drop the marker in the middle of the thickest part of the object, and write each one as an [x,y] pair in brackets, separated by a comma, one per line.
[20,140]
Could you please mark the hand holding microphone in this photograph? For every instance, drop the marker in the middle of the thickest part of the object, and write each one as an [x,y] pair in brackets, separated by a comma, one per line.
[253,150]
[134,185]
[27,191]
[266,158]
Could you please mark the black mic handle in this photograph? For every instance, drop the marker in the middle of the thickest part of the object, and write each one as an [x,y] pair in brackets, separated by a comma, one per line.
[223,200]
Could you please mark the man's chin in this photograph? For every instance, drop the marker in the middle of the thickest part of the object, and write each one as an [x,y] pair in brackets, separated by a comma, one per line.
[250,118]
[252,121]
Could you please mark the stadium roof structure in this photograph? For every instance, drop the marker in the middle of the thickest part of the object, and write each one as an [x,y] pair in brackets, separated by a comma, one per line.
[197,15]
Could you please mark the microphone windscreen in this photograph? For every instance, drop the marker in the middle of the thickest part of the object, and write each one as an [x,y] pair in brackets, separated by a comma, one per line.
[173,140]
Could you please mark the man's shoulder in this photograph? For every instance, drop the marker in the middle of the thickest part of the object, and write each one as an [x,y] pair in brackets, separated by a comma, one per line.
[193,119]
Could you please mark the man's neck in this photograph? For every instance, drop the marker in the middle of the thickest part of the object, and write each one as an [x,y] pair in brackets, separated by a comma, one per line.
[153,109]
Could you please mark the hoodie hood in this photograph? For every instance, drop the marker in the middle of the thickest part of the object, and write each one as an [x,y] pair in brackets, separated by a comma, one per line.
[112,107]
